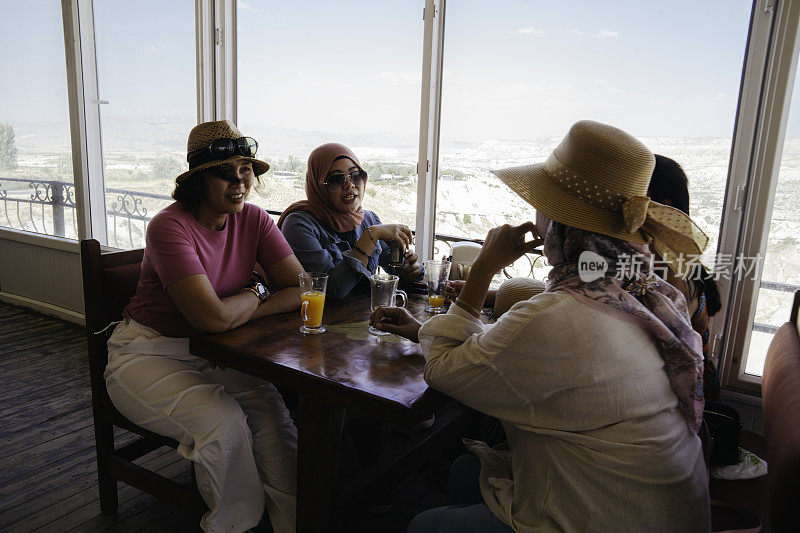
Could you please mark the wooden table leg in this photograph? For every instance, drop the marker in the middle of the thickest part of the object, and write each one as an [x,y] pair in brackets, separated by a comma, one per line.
[319,426]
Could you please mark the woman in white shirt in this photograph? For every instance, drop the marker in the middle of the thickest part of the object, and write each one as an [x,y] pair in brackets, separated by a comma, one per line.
[597,381]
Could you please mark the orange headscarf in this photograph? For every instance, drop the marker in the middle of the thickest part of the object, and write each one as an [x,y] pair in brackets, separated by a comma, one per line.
[318,201]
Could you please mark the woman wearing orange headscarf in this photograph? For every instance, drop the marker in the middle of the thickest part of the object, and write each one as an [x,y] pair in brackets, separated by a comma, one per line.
[330,232]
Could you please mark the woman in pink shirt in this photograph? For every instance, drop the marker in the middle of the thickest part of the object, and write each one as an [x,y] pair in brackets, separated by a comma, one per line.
[196,278]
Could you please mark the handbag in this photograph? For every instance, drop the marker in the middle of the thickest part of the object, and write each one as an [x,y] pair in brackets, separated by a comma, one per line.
[725,427]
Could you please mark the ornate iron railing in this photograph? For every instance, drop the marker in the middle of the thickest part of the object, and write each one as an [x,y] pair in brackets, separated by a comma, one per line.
[49,201]
[46,201]
[44,206]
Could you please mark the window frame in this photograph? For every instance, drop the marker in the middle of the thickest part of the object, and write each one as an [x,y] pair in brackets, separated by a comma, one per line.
[767,83]
[429,127]
[215,76]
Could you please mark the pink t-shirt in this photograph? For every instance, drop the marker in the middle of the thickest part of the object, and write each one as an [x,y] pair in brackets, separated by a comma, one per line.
[177,246]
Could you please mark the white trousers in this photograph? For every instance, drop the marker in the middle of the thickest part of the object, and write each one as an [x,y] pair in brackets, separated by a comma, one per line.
[234,427]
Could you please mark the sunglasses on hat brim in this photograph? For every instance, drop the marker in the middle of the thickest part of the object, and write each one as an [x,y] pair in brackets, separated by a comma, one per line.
[222,149]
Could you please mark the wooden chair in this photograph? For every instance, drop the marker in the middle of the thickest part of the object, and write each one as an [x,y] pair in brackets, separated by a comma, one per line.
[109,282]
[781,403]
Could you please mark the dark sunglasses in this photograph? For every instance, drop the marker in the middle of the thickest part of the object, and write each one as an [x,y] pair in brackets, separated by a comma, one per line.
[222,149]
[337,180]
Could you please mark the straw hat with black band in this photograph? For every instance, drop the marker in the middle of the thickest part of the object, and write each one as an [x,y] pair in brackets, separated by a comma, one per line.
[596,179]
[201,155]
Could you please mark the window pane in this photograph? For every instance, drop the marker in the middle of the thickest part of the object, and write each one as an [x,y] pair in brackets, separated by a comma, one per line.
[349,72]
[512,90]
[36,184]
[146,71]
[781,274]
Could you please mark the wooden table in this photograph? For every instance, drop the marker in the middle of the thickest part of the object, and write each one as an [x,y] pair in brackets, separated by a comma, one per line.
[331,372]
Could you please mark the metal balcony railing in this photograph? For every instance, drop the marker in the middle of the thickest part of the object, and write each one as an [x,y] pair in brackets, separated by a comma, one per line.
[44,206]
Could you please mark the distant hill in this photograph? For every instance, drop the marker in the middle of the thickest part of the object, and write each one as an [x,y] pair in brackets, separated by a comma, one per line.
[136,134]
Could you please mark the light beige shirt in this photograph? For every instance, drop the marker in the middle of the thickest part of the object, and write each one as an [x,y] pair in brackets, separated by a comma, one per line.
[597,440]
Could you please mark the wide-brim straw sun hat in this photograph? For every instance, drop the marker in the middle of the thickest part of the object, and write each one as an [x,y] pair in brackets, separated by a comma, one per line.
[206,133]
[596,179]
[515,290]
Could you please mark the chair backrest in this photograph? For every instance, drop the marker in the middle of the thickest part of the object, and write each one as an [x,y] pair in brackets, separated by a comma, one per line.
[781,404]
[464,254]
[794,318]
[109,282]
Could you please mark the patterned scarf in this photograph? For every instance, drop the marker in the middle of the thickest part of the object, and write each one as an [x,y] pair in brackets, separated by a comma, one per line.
[700,325]
[637,296]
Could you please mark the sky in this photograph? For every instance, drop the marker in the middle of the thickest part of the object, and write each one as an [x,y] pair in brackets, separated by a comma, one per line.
[522,69]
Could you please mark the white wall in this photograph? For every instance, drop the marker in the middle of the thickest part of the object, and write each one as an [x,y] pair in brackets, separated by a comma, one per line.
[42,273]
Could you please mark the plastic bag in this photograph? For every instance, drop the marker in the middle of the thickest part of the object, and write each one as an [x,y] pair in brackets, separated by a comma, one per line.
[749,466]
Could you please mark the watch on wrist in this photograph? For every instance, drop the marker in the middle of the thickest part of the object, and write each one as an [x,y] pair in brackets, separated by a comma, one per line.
[259,290]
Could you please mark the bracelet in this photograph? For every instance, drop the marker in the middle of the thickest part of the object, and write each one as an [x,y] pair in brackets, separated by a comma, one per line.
[468,308]
[360,250]
[261,298]
[369,232]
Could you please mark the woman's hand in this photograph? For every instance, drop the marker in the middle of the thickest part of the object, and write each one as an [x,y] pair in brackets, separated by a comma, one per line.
[504,245]
[396,320]
[454,290]
[454,287]
[411,269]
[393,232]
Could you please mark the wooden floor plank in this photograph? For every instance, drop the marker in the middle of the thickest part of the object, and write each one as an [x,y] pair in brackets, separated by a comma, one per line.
[79,418]
[80,467]
[83,508]
[71,350]
[43,454]
[55,384]
[20,335]
[30,416]
[37,407]
[80,505]
[36,484]
[32,344]
[22,322]
[7,310]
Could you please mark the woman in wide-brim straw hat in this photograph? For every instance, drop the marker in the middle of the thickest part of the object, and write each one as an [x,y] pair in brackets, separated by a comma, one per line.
[198,276]
[597,380]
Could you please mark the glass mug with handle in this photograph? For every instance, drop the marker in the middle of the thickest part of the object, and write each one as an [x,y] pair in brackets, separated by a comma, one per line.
[312,296]
[384,293]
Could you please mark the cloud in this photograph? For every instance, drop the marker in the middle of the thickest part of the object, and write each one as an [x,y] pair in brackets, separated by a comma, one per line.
[153,49]
[400,77]
[606,34]
[606,87]
[575,33]
[522,90]
[530,30]
[245,7]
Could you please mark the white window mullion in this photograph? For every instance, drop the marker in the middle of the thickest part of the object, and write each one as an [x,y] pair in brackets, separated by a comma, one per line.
[84,112]
[205,39]
[430,118]
[225,59]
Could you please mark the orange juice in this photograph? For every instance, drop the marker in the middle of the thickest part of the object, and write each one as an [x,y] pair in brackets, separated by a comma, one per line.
[436,301]
[312,306]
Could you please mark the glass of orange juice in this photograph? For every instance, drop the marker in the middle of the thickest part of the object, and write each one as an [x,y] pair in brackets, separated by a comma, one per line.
[436,276]
[312,288]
